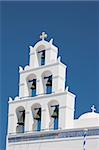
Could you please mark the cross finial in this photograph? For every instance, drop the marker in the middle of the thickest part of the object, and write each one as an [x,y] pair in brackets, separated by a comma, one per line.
[93,108]
[43,36]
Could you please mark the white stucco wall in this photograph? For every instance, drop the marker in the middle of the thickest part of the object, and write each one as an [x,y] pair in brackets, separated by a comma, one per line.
[92,143]
[58,82]
[66,102]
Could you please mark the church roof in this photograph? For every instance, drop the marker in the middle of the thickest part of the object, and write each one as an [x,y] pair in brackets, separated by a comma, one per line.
[89,115]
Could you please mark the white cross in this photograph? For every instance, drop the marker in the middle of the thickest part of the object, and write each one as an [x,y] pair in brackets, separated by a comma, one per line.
[93,108]
[43,36]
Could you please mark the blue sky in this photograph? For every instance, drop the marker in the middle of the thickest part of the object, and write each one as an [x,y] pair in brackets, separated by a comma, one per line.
[75,29]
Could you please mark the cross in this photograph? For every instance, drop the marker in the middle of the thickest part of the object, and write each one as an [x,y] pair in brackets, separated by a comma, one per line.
[93,108]
[43,36]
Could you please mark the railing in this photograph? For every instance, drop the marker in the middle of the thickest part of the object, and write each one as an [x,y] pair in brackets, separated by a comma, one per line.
[52,135]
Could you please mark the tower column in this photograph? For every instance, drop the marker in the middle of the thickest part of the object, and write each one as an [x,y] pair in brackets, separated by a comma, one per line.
[10,124]
[21,89]
[55,84]
[28,120]
[62,117]
[39,86]
[33,58]
[45,118]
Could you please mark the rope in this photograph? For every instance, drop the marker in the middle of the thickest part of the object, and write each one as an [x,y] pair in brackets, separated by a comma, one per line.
[84,142]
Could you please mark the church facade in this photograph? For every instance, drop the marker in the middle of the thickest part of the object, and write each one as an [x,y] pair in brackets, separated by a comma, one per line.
[42,116]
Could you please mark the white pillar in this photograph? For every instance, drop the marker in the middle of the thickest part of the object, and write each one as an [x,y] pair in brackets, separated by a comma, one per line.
[21,90]
[30,123]
[27,120]
[15,123]
[55,87]
[11,124]
[33,58]
[45,118]
[62,117]
[40,89]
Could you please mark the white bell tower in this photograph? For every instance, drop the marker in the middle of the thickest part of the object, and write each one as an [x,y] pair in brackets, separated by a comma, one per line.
[43,62]
[43,103]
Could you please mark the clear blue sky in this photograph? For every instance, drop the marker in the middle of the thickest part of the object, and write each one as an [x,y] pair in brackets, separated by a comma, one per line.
[75,29]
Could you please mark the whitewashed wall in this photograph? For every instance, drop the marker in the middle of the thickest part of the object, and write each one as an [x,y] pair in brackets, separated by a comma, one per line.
[60,144]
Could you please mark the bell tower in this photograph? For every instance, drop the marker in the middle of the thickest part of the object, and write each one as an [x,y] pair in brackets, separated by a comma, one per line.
[43,103]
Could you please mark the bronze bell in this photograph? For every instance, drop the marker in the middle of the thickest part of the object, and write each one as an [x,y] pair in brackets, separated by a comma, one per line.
[33,86]
[49,82]
[20,123]
[37,115]
[55,113]
[21,118]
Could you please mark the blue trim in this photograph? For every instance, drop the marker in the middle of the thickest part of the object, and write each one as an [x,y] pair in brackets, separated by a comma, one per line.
[48,89]
[33,92]
[52,135]
[55,123]
[42,61]
[38,124]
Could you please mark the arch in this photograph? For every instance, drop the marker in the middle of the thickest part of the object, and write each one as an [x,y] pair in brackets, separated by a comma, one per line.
[53,102]
[45,43]
[47,82]
[36,113]
[20,113]
[41,54]
[32,84]
[54,114]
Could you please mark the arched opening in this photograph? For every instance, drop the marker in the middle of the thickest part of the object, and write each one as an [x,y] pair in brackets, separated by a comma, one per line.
[36,111]
[41,55]
[54,115]
[20,112]
[32,85]
[47,82]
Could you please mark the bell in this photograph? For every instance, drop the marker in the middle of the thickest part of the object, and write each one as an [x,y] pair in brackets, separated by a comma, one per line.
[37,115]
[55,113]
[33,86]
[20,123]
[49,82]
[21,117]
